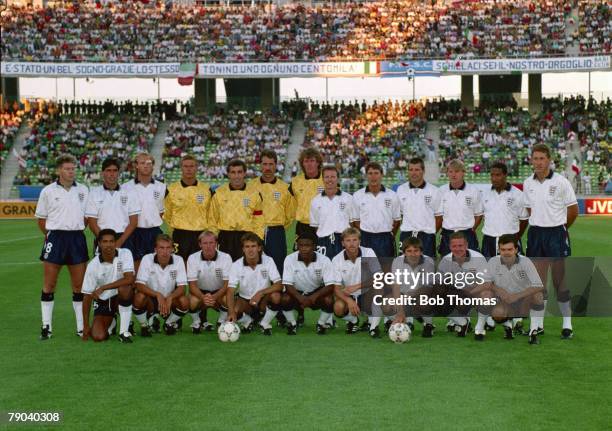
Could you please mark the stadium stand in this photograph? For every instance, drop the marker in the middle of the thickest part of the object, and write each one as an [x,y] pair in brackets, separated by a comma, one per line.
[10,120]
[389,29]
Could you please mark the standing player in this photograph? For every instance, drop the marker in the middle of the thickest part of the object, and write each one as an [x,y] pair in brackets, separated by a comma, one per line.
[460,208]
[236,210]
[349,289]
[278,208]
[160,286]
[309,281]
[256,280]
[108,282]
[331,212]
[552,206]
[61,218]
[377,213]
[305,186]
[111,206]
[517,284]
[187,202]
[207,274]
[420,202]
[151,194]
[504,211]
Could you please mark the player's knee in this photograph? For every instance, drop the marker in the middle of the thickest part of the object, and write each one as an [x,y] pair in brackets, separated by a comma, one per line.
[538,298]
[563,296]
[139,300]
[182,302]
[286,302]
[327,304]
[194,303]
[125,293]
[340,308]
[498,313]
[98,334]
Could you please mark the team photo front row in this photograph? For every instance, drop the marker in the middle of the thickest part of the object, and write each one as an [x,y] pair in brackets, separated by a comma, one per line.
[228,249]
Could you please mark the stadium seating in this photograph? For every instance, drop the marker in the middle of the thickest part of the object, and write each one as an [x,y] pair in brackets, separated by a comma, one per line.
[10,120]
[386,29]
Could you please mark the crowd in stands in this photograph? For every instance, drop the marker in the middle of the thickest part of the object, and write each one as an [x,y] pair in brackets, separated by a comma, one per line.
[90,136]
[167,110]
[385,29]
[10,120]
[351,135]
[216,138]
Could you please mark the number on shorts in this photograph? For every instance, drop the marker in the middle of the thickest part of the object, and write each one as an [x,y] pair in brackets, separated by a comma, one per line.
[322,249]
[48,247]
[176,247]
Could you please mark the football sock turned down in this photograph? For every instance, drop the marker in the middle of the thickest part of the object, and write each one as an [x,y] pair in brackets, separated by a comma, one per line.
[46,308]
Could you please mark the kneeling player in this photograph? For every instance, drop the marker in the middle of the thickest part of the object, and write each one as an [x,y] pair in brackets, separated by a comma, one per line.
[413,261]
[108,281]
[309,281]
[207,274]
[348,289]
[258,283]
[517,284]
[160,286]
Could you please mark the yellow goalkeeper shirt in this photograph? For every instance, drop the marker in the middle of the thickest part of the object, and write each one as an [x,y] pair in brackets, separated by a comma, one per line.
[187,206]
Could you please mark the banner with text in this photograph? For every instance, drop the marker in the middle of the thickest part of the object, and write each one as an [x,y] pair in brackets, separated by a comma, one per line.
[17,209]
[408,68]
[84,70]
[287,70]
[521,65]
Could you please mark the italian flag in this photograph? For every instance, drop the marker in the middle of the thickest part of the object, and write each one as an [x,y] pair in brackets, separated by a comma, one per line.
[187,71]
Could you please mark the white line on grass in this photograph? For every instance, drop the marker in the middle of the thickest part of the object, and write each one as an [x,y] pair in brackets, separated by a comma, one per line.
[25,238]
[19,263]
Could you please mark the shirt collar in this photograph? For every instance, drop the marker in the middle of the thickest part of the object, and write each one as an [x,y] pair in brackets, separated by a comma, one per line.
[313,178]
[112,190]
[548,177]
[507,188]
[209,260]
[261,180]
[516,261]
[338,193]
[467,256]
[346,255]
[60,184]
[422,186]
[421,260]
[458,188]
[157,261]
[259,262]
[234,190]
[186,185]
[313,260]
[382,189]
[100,255]
[136,180]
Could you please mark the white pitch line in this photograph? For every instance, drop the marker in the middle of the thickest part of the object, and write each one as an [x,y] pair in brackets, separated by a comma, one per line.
[19,263]
[25,238]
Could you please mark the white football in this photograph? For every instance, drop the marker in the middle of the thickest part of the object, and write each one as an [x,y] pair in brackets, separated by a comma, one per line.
[228,332]
[399,333]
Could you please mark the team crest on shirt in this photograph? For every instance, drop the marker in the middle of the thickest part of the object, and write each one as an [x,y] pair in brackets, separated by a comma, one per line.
[156,195]
[218,273]
[199,198]
[123,200]
[173,274]
[387,203]
[522,273]
[276,196]
[81,196]
[119,267]
[342,206]
[510,201]
[427,199]
[468,201]
[318,272]
[552,190]
[264,273]
[246,202]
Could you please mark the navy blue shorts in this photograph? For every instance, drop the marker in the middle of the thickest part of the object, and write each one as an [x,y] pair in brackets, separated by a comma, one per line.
[490,246]
[548,242]
[65,247]
[275,246]
[444,248]
[143,241]
[383,243]
[106,307]
[331,245]
[427,239]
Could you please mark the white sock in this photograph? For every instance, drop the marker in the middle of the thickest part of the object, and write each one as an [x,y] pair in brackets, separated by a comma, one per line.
[428,320]
[350,318]
[490,321]
[125,314]
[222,316]
[410,319]
[480,324]
[508,323]
[142,318]
[195,319]
[330,319]
[323,318]
[245,320]
[461,321]
[373,321]
[175,317]
[517,320]
[268,317]
[153,316]
[391,318]
[78,313]
[112,326]
[536,319]
[566,312]
[46,308]
[290,318]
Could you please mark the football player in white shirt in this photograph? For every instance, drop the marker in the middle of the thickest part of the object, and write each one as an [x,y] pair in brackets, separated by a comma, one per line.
[471,280]
[309,281]
[460,208]
[377,213]
[331,212]
[207,273]
[517,284]
[255,279]
[108,284]
[151,194]
[350,299]
[160,287]
[61,218]
[553,208]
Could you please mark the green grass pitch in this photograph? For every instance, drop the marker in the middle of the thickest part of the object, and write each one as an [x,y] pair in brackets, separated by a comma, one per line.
[304,382]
